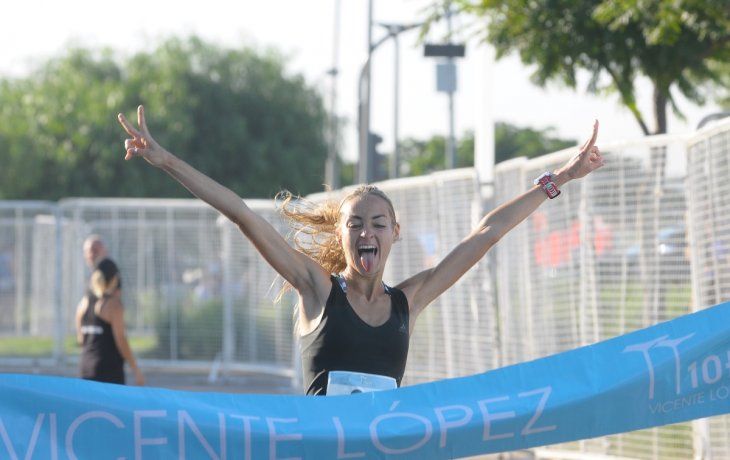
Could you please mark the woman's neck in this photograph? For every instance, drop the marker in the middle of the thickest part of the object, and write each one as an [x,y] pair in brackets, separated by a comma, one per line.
[370,287]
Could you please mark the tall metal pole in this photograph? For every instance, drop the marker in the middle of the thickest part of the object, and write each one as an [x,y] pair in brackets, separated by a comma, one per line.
[395,159]
[332,173]
[451,143]
[366,174]
[484,122]
[59,315]
[365,166]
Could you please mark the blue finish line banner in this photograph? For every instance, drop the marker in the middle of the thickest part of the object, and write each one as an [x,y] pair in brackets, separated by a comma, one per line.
[671,372]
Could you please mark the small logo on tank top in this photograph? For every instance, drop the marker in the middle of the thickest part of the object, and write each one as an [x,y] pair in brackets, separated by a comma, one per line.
[403,328]
[92,330]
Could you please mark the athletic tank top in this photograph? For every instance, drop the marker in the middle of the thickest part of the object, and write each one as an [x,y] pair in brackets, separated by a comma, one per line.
[344,342]
[100,358]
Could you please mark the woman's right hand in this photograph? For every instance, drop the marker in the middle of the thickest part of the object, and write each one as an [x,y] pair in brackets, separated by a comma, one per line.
[142,144]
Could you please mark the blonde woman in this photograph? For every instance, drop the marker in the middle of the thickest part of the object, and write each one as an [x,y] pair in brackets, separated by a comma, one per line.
[100,329]
[348,319]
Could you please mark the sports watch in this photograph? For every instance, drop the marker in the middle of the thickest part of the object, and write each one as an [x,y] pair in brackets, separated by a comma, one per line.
[546,182]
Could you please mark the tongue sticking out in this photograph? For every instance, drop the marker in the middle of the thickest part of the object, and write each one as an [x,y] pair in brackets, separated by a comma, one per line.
[367,260]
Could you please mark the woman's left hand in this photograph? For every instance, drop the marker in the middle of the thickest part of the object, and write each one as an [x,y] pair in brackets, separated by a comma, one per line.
[138,377]
[587,160]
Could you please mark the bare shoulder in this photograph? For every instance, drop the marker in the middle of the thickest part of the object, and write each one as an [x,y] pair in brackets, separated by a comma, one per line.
[111,309]
[83,304]
[412,286]
[318,288]
[311,302]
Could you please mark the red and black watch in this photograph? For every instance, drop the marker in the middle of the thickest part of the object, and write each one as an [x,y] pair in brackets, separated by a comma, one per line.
[547,184]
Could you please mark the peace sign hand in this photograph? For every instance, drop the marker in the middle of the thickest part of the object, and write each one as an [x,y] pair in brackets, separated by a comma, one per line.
[587,160]
[142,144]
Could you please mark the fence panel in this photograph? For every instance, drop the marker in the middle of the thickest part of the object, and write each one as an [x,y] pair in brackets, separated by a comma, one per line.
[709,229]
[261,330]
[605,258]
[168,252]
[28,319]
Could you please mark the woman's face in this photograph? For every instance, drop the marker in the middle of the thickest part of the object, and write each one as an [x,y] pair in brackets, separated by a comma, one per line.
[367,231]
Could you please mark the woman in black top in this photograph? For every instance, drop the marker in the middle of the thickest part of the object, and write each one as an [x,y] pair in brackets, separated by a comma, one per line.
[101,331]
[343,341]
[351,321]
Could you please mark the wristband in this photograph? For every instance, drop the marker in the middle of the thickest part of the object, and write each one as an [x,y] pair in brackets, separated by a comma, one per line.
[546,183]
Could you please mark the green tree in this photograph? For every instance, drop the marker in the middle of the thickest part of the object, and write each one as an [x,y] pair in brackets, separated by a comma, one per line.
[55,130]
[512,141]
[422,157]
[674,43]
[348,173]
[236,114]
[722,92]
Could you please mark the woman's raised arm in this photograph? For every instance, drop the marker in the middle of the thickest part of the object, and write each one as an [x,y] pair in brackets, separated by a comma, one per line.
[427,285]
[298,269]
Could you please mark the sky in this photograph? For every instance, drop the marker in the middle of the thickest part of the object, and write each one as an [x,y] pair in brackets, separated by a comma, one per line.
[35,30]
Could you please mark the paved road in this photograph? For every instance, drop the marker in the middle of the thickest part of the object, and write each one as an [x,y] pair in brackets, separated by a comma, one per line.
[249,383]
[188,381]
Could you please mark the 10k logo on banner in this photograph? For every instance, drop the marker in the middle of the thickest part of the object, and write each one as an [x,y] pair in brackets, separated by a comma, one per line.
[695,383]
[661,342]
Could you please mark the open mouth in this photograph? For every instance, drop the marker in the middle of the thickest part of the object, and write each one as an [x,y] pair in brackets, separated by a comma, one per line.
[367,249]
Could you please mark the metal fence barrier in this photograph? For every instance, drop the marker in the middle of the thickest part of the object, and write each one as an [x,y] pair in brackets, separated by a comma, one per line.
[642,240]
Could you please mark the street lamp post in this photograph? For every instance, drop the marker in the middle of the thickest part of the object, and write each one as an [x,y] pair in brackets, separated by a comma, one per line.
[451,145]
[332,173]
[393,31]
[366,169]
[365,162]
[395,160]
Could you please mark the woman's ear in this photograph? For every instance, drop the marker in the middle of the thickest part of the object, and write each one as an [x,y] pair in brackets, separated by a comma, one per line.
[396,232]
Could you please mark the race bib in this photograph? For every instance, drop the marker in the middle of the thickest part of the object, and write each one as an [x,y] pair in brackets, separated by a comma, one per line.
[347,383]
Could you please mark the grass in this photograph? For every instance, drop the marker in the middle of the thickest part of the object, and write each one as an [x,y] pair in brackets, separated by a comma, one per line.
[38,347]
[676,299]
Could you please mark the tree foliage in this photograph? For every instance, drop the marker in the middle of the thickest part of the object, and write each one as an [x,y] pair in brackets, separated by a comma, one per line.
[674,43]
[513,141]
[422,157]
[722,91]
[418,157]
[233,113]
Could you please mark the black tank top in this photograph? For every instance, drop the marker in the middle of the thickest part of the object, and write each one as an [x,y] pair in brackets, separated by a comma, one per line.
[344,342]
[100,358]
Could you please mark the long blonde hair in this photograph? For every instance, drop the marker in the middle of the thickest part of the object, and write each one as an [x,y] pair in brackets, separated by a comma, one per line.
[104,279]
[314,226]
